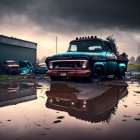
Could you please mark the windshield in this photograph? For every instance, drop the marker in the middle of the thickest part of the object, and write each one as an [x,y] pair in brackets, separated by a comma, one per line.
[22,64]
[89,46]
[29,64]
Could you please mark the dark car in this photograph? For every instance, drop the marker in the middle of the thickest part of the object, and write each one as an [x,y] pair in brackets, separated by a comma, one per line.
[92,58]
[9,67]
[25,67]
[40,68]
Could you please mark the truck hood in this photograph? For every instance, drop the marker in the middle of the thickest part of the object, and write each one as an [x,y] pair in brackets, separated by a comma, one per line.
[86,55]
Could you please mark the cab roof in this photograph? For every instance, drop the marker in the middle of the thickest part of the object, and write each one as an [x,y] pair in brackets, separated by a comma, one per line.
[9,61]
[88,39]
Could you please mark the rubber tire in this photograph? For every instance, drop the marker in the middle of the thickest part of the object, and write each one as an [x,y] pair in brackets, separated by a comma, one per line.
[97,75]
[55,78]
[121,74]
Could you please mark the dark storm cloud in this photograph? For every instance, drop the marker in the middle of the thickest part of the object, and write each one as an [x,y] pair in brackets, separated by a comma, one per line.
[75,15]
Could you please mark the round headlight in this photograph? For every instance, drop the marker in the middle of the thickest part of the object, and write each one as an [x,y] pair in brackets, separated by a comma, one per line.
[72,103]
[84,64]
[85,102]
[84,106]
[51,100]
[50,65]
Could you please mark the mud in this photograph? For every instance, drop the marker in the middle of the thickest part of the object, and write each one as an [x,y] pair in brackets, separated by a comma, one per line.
[41,110]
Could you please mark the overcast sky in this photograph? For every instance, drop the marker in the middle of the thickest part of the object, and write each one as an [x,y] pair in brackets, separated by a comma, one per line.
[41,21]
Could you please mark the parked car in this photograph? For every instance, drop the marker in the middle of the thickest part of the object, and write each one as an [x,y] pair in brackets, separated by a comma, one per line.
[40,68]
[9,67]
[25,67]
[93,58]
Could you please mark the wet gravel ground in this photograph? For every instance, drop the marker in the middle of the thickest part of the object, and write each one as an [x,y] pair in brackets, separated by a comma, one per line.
[39,109]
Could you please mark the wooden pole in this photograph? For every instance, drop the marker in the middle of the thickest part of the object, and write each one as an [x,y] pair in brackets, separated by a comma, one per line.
[56,44]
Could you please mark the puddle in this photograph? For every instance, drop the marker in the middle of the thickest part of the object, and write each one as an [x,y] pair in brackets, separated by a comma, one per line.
[60,117]
[137,119]
[69,110]
[137,91]
[94,108]
[57,121]
[14,93]
[135,72]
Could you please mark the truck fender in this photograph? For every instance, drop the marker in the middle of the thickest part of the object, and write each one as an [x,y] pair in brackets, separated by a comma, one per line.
[122,66]
[99,64]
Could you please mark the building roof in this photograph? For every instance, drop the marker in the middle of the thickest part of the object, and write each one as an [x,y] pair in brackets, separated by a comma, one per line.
[17,42]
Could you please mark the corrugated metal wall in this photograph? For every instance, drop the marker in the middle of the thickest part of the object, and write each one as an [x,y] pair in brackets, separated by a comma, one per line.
[17,53]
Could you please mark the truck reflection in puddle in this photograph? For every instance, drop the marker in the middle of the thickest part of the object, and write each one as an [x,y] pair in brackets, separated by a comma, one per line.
[14,93]
[94,109]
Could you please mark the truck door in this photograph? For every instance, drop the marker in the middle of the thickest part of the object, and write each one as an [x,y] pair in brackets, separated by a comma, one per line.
[111,59]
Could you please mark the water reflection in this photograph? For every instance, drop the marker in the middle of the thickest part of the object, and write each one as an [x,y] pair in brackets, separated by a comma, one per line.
[93,109]
[14,93]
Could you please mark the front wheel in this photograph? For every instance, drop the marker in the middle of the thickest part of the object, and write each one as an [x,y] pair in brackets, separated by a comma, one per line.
[97,75]
[55,78]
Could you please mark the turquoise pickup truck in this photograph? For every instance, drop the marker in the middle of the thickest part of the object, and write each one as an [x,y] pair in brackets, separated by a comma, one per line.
[88,57]
[25,67]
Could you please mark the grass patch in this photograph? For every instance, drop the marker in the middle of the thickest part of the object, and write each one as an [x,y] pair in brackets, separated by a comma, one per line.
[19,77]
[6,83]
[4,77]
[9,77]
[133,67]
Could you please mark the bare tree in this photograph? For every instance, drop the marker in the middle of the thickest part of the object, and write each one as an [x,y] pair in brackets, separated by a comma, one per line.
[43,59]
[132,60]
[115,48]
[138,60]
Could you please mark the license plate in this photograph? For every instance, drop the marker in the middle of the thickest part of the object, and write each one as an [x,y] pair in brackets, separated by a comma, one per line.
[63,74]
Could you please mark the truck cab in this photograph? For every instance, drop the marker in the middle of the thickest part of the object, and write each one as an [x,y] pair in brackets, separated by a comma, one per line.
[25,66]
[89,57]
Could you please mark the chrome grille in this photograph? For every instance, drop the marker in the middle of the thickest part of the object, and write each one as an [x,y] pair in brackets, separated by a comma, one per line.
[67,65]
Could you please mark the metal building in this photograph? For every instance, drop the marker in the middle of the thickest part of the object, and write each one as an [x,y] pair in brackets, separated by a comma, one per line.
[17,49]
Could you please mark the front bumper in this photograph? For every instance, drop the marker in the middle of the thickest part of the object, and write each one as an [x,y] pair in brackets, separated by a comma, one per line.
[69,73]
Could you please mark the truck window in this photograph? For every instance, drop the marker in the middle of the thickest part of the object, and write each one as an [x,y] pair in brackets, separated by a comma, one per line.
[95,48]
[22,65]
[73,48]
[108,47]
[83,46]
[29,64]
